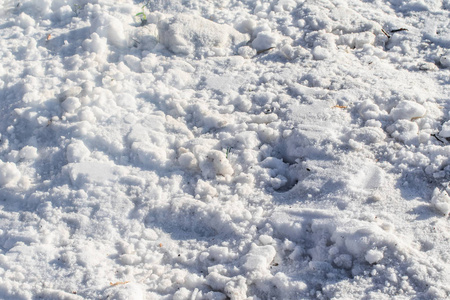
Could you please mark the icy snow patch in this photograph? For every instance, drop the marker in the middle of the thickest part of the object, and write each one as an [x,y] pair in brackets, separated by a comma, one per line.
[93,172]
[194,35]
[369,178]
[126,291]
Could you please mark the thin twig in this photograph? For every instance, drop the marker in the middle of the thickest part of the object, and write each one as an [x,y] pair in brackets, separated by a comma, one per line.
[385,32]
[435,136]
[264,50]
[397,30]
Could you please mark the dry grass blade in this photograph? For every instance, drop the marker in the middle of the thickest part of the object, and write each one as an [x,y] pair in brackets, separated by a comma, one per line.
[118,283]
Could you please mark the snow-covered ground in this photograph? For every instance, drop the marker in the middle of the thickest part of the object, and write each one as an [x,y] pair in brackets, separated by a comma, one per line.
[174,149]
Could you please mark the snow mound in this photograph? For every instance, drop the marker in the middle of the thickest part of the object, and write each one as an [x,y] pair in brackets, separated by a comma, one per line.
[197,36]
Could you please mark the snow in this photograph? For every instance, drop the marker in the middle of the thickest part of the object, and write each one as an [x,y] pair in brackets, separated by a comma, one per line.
[445,60]
[188,34]
[8,173]
[407,110]
[283,149]
[445,131]
[441,201]
[264,40]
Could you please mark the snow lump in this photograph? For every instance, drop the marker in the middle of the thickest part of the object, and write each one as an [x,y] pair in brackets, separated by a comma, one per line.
[193,35]
[408,110]
[441,201]
[8,173]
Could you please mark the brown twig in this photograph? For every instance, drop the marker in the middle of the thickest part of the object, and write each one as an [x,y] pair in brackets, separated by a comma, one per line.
[385,33]
[397,30]
[435,136]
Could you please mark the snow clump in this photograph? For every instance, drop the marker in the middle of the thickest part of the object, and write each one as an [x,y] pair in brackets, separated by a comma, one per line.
[373,256]
[408,110]
[8,173]
[441,201]
[445,60]
[25,21]
[445,131]
[193,35]
[264,40]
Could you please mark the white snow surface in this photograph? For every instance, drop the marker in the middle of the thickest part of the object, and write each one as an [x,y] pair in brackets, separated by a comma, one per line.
[173,149]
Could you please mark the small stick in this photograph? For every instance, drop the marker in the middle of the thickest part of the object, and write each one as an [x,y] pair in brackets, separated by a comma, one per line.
[435,136]
[387,34]
[397,30]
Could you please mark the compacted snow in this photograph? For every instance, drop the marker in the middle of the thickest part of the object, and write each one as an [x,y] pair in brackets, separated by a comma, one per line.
[283,149]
